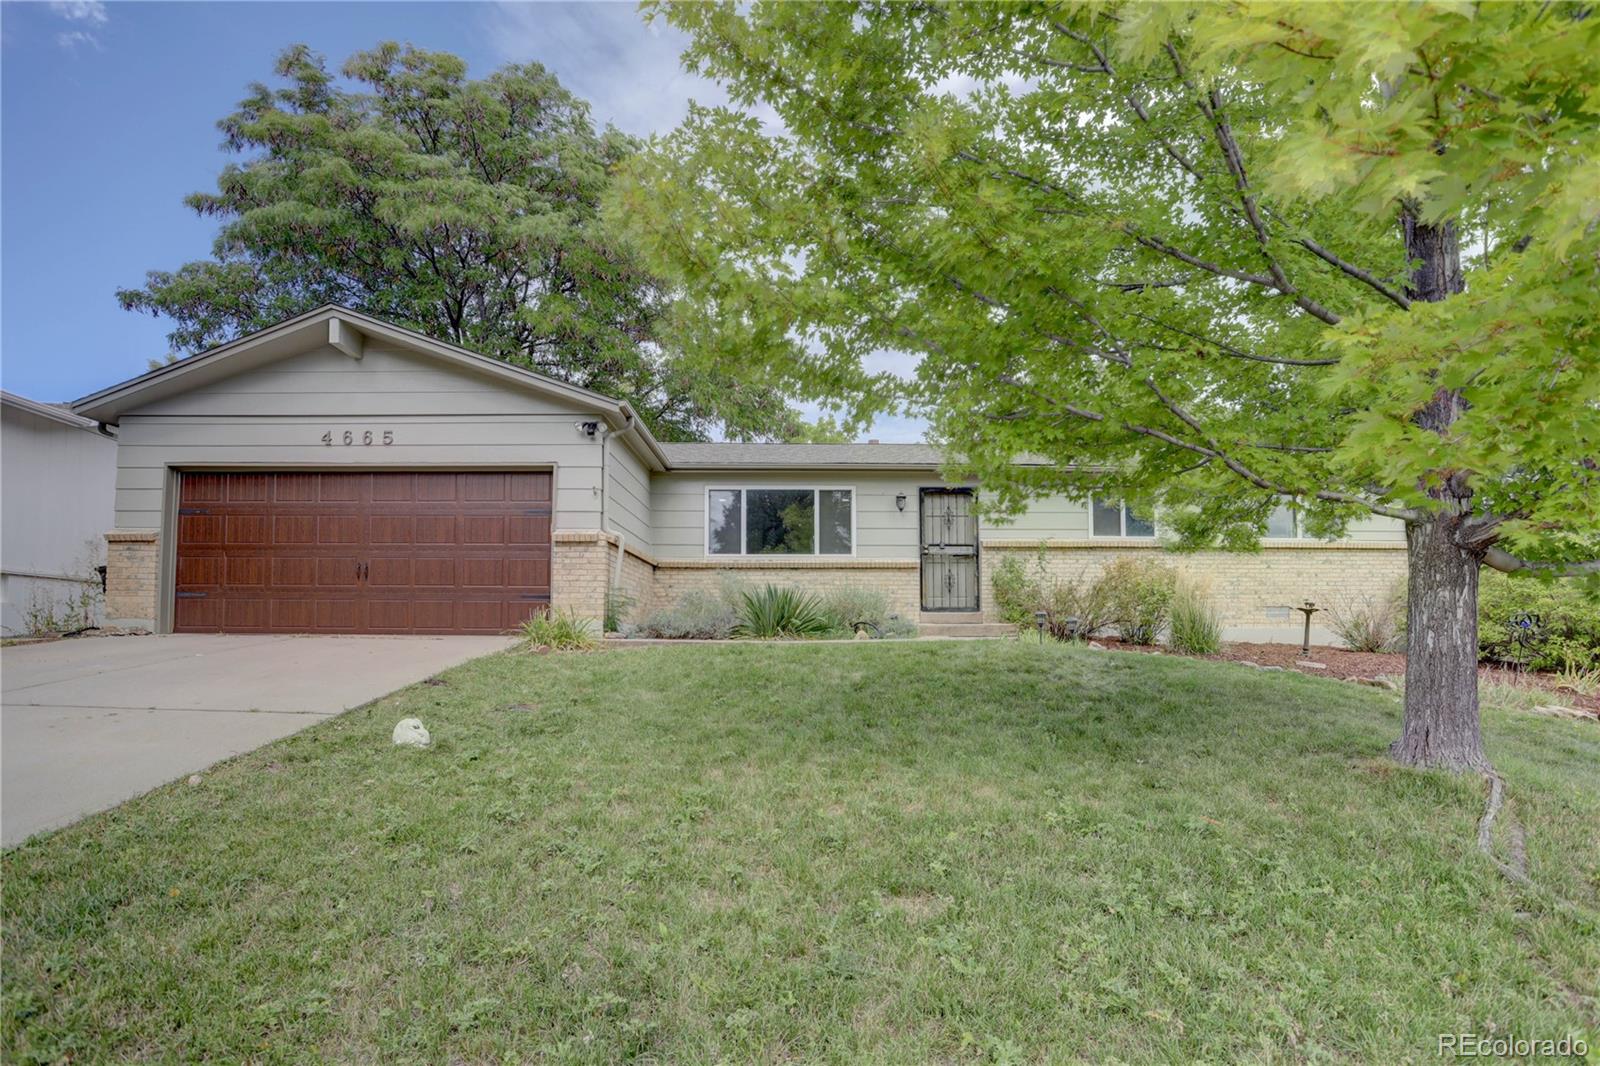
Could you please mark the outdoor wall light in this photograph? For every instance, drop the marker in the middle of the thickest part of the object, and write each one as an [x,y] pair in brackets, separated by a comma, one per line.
[900,501]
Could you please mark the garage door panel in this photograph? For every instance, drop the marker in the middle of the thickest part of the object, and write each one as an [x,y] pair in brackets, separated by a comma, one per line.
[528,529]
[200,530]
[341,488]
[340,615]
[391,529]
[246,612]
[483,529]
[338,552]
[294,614]
[390,573]
[202,488]
[437,488]
[529,488]
[394,488]
[200,569]
[338,573]
[244,530]
[435,529]
[294,529]
[293,488]
[248,488]
[290,571]
[197,611]
[483,573]
[246,571]
[522,574]
[435,572]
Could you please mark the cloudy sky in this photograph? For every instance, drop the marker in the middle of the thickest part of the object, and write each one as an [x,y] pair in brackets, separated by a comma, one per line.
[107,120]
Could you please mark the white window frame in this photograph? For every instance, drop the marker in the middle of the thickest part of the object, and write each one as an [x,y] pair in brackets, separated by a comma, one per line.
[1298,532]
[816,520]
[1122,524]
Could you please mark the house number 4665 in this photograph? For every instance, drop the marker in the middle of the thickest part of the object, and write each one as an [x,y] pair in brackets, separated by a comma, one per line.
[351,436]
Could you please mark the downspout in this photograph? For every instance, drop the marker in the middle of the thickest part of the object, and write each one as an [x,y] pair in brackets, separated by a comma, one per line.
[631,426]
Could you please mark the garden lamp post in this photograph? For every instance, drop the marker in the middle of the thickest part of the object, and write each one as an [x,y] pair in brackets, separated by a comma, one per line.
[1039,619]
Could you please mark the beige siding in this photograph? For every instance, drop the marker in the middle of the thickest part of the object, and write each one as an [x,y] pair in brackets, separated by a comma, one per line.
[678,504]
[883,532]
[628,497]
[276,416]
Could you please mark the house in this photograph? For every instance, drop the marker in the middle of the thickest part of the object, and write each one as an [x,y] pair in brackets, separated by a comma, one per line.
[338,474]
[58,472]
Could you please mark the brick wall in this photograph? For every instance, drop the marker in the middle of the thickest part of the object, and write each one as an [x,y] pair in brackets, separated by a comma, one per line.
[133,563]
[579,572]
[895,578]
[1249,590]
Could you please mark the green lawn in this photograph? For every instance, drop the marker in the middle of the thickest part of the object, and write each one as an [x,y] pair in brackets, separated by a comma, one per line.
[890,852]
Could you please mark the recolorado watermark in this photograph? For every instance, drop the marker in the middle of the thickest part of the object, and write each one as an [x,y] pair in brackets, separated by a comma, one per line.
[1507,1046]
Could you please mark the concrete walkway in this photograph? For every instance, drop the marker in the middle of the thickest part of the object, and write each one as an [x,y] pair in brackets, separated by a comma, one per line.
[88,723]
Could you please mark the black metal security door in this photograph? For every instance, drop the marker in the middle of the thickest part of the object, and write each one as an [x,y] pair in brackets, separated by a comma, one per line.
[949,550]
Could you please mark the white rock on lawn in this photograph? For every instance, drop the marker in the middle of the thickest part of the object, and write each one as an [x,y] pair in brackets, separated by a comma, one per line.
[410,733]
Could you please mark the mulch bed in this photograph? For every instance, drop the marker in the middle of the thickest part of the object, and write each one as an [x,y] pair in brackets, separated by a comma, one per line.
[1342,664]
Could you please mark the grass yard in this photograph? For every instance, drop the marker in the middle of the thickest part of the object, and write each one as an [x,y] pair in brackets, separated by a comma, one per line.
[867,852]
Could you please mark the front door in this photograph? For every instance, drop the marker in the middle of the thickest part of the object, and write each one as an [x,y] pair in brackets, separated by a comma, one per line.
[949,550]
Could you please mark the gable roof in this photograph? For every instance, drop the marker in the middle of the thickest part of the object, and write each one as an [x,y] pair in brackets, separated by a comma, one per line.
[345,329]
[332,324]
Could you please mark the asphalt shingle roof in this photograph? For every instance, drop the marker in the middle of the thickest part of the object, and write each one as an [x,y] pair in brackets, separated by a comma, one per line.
[725,454]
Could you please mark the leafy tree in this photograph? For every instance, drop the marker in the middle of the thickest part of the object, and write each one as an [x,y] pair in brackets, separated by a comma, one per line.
[465,209]
[1207,257]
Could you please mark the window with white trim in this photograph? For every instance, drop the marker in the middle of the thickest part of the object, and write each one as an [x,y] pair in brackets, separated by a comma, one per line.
[1283,523]
[1112,518]
[780,521]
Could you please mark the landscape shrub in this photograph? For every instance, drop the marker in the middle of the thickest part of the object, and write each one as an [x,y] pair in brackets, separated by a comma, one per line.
[1196,626]
[698,616]
[559,631]
[618,603]
[1075,608]
[853,605]
[775,611]
[1369,622]
[1137,596]
[1569,622]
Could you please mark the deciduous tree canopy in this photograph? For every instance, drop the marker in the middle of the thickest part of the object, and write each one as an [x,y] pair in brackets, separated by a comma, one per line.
[466,209]
[1208,257]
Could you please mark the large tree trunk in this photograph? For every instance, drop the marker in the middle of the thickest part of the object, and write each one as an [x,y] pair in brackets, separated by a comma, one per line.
[1441,711]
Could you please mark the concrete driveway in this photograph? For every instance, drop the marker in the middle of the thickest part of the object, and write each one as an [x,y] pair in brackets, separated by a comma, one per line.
[88,723]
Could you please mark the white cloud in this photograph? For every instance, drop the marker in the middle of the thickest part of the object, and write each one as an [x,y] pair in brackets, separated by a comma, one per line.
[89,14]
[91,11]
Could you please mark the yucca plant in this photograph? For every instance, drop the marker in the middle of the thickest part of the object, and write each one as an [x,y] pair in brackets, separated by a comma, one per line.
[771,612]
[558,631]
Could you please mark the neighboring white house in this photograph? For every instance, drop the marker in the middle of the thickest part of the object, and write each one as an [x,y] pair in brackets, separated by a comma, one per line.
[58,473]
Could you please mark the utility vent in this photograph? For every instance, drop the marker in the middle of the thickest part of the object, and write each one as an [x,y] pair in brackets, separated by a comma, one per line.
[874,441]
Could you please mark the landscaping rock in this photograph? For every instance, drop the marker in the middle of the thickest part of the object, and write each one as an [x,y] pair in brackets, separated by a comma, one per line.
[1309,665]
[1556,710]
[195,779]
[409,733]
[1097,646]
[1277,668]
[1250,664]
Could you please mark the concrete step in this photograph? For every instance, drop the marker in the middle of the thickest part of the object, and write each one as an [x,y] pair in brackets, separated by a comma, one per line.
[941,626]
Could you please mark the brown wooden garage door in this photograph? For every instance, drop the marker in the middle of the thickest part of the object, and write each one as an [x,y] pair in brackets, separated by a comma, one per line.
[383,552]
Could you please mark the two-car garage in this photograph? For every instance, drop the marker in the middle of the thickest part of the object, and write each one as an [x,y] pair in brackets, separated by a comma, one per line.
[361,551]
